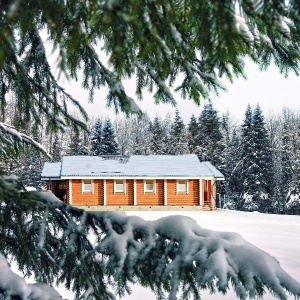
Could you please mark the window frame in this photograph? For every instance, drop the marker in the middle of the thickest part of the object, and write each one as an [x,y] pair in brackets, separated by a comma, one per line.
[186,186]
[153,191]
[124,186]
[83,190]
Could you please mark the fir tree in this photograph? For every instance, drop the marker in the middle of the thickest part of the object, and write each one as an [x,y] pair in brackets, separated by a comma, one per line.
[192,134]
[234,171]
[123,130]
[33,162]
[247,158]
[290,161]
[224,156]
[287,173]
[156,130]
[256,162]
[140,139]
[108,144]
[177,137]
[274,127]
[56,149]
[76,146]
[209,144]
[263,160]
[96,138]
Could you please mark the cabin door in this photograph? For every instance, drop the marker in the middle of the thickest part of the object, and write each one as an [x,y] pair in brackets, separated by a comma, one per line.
[59,189]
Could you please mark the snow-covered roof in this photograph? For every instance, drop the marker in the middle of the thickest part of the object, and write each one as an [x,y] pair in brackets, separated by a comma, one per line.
[51,170]
[134,166]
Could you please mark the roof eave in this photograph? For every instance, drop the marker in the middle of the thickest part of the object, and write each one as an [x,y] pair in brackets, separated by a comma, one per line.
[138,177]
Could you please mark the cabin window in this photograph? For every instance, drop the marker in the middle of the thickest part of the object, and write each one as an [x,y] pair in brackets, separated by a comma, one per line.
[87,186]
[182,187]
[149,186]
[119,186]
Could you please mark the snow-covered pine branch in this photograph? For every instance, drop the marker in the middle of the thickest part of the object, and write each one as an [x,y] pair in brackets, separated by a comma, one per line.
[12,284]
[11,138]
[100,254]
[164,38]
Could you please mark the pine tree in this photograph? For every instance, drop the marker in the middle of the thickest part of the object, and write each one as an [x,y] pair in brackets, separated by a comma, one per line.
[141,137]
[108,144]
[192,134]
[263,166]
[76,146]
[234,169]
[123,134]
[287,173]
[274,127]
[156,130]
[256,162]
[56,149]
[247,150]
[96,138]
[226,163]
[178,138]
[209,144]
[291,161]
[33,162]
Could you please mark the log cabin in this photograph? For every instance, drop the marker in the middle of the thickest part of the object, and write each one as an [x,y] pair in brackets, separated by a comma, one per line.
[137,180]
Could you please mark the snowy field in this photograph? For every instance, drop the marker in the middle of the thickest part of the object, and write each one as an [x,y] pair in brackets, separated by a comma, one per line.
[279,235]
[276,234]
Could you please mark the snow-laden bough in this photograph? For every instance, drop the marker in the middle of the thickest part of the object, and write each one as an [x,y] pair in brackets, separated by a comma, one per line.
[95,253]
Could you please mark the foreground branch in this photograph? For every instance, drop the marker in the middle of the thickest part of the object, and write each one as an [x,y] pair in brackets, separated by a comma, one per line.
[96,253]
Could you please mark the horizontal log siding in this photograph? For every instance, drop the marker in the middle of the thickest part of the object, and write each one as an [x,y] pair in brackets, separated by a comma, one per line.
[150,198]
[192,198]
[79,198]
[119,198]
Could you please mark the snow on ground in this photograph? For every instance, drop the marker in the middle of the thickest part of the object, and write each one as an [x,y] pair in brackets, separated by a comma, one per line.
[279,235]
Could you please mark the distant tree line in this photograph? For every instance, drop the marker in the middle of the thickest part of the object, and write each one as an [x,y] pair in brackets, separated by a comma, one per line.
[260,157]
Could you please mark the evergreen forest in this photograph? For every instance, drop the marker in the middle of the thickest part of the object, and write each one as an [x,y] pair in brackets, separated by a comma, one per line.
[189,47]
[259,156]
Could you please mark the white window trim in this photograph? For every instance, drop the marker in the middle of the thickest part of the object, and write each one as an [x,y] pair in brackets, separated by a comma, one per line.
[154,186]
[82,186]
[104,192]
[186,184]
[165,192]
[124,185]
[134,193]
[201,192]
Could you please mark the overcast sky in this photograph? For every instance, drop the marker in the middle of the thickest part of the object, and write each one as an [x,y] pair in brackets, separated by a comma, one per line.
[270,89]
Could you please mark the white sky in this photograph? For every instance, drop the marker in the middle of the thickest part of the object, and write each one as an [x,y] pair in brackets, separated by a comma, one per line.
[269,88]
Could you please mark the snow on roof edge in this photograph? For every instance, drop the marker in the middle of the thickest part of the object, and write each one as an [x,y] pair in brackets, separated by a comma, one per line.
[135,166]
